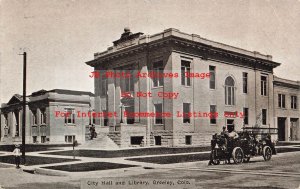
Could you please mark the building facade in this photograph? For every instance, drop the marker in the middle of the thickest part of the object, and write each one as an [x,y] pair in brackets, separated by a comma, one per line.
[51,117]
[286,106]
[188,86]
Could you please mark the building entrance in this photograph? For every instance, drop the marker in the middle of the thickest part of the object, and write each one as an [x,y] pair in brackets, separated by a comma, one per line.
[230,123]
[281,128]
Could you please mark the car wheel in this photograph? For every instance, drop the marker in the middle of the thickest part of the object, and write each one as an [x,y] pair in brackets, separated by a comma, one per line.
[267,153]
[237,155]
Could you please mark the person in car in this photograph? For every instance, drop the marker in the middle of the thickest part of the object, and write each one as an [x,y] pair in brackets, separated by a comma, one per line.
[232,134]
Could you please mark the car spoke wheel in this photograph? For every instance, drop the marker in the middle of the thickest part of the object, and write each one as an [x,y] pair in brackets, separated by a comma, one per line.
[267,153]
[237,155]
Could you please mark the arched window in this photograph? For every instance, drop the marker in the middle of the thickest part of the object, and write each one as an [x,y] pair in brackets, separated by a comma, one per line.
[229,91]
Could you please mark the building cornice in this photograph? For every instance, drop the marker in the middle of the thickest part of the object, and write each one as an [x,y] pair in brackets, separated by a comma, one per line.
[177,38]
[286,83]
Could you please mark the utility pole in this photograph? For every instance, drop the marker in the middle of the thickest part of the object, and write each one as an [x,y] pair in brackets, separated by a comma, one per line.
[24,108]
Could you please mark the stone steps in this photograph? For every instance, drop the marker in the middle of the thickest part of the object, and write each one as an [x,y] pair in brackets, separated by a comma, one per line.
[101,142]
[116,137]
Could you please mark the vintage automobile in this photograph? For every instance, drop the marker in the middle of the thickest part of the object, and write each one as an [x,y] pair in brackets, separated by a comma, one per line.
[251,142]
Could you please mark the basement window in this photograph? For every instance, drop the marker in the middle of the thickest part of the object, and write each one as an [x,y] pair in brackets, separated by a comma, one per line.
[136,140]
[188,140]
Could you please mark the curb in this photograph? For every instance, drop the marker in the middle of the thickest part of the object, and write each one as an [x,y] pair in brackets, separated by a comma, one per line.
[50,172]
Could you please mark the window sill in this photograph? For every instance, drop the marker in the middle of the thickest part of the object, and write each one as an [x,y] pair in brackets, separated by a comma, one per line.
[229,105]
[265,96]
[282,108]
[158,124]
[186,86]
[70,124]
[158,87]
[213,124]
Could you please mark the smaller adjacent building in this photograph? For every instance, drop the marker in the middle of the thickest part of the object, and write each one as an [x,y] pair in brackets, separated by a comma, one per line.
[286,107]
[51,117]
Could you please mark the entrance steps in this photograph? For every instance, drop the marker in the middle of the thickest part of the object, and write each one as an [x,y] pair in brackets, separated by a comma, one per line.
[116,137]
[102,142]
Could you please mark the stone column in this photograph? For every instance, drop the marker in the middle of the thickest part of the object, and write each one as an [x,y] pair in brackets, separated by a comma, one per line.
[13,128]
[288,129]
[118,100]
[111,99]
[275,137]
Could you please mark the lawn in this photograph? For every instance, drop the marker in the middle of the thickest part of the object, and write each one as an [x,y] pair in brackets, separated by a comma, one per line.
[173,159]
[34,147]
[90,166]
[34,160]
[130,152]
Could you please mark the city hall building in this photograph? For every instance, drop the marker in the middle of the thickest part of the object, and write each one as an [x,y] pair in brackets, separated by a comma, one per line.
[177,89]
[46,120]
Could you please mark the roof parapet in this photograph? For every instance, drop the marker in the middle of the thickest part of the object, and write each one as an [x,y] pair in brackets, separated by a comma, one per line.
[128,40]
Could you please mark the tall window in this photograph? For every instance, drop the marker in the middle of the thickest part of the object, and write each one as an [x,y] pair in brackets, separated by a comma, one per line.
[158,70]
[105,118]
[263,85]
[229,91]
[43,116]
[186,112]
[104,86]
[92,119]
[293,102]
[185,73]
[281,100]
[129,81]
[34,117]
[213,110]
[188,139]
[158,113]
[69,138]
[70,118]
[264,116]
[246,116]
[212,77]
[245,82]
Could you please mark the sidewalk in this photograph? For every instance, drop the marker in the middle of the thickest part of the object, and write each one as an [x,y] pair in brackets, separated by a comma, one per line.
[139,166]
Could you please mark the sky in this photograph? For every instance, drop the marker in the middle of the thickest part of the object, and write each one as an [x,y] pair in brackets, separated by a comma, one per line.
[59,36]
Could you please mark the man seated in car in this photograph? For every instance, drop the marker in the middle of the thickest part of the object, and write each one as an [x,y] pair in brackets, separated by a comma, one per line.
[231,132]
[224,133]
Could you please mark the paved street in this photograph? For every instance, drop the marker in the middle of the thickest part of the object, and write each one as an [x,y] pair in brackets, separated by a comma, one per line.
[283,171]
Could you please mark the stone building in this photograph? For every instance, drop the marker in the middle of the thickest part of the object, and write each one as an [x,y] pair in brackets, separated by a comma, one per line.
[205,85]
[287,111]
[45,117]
